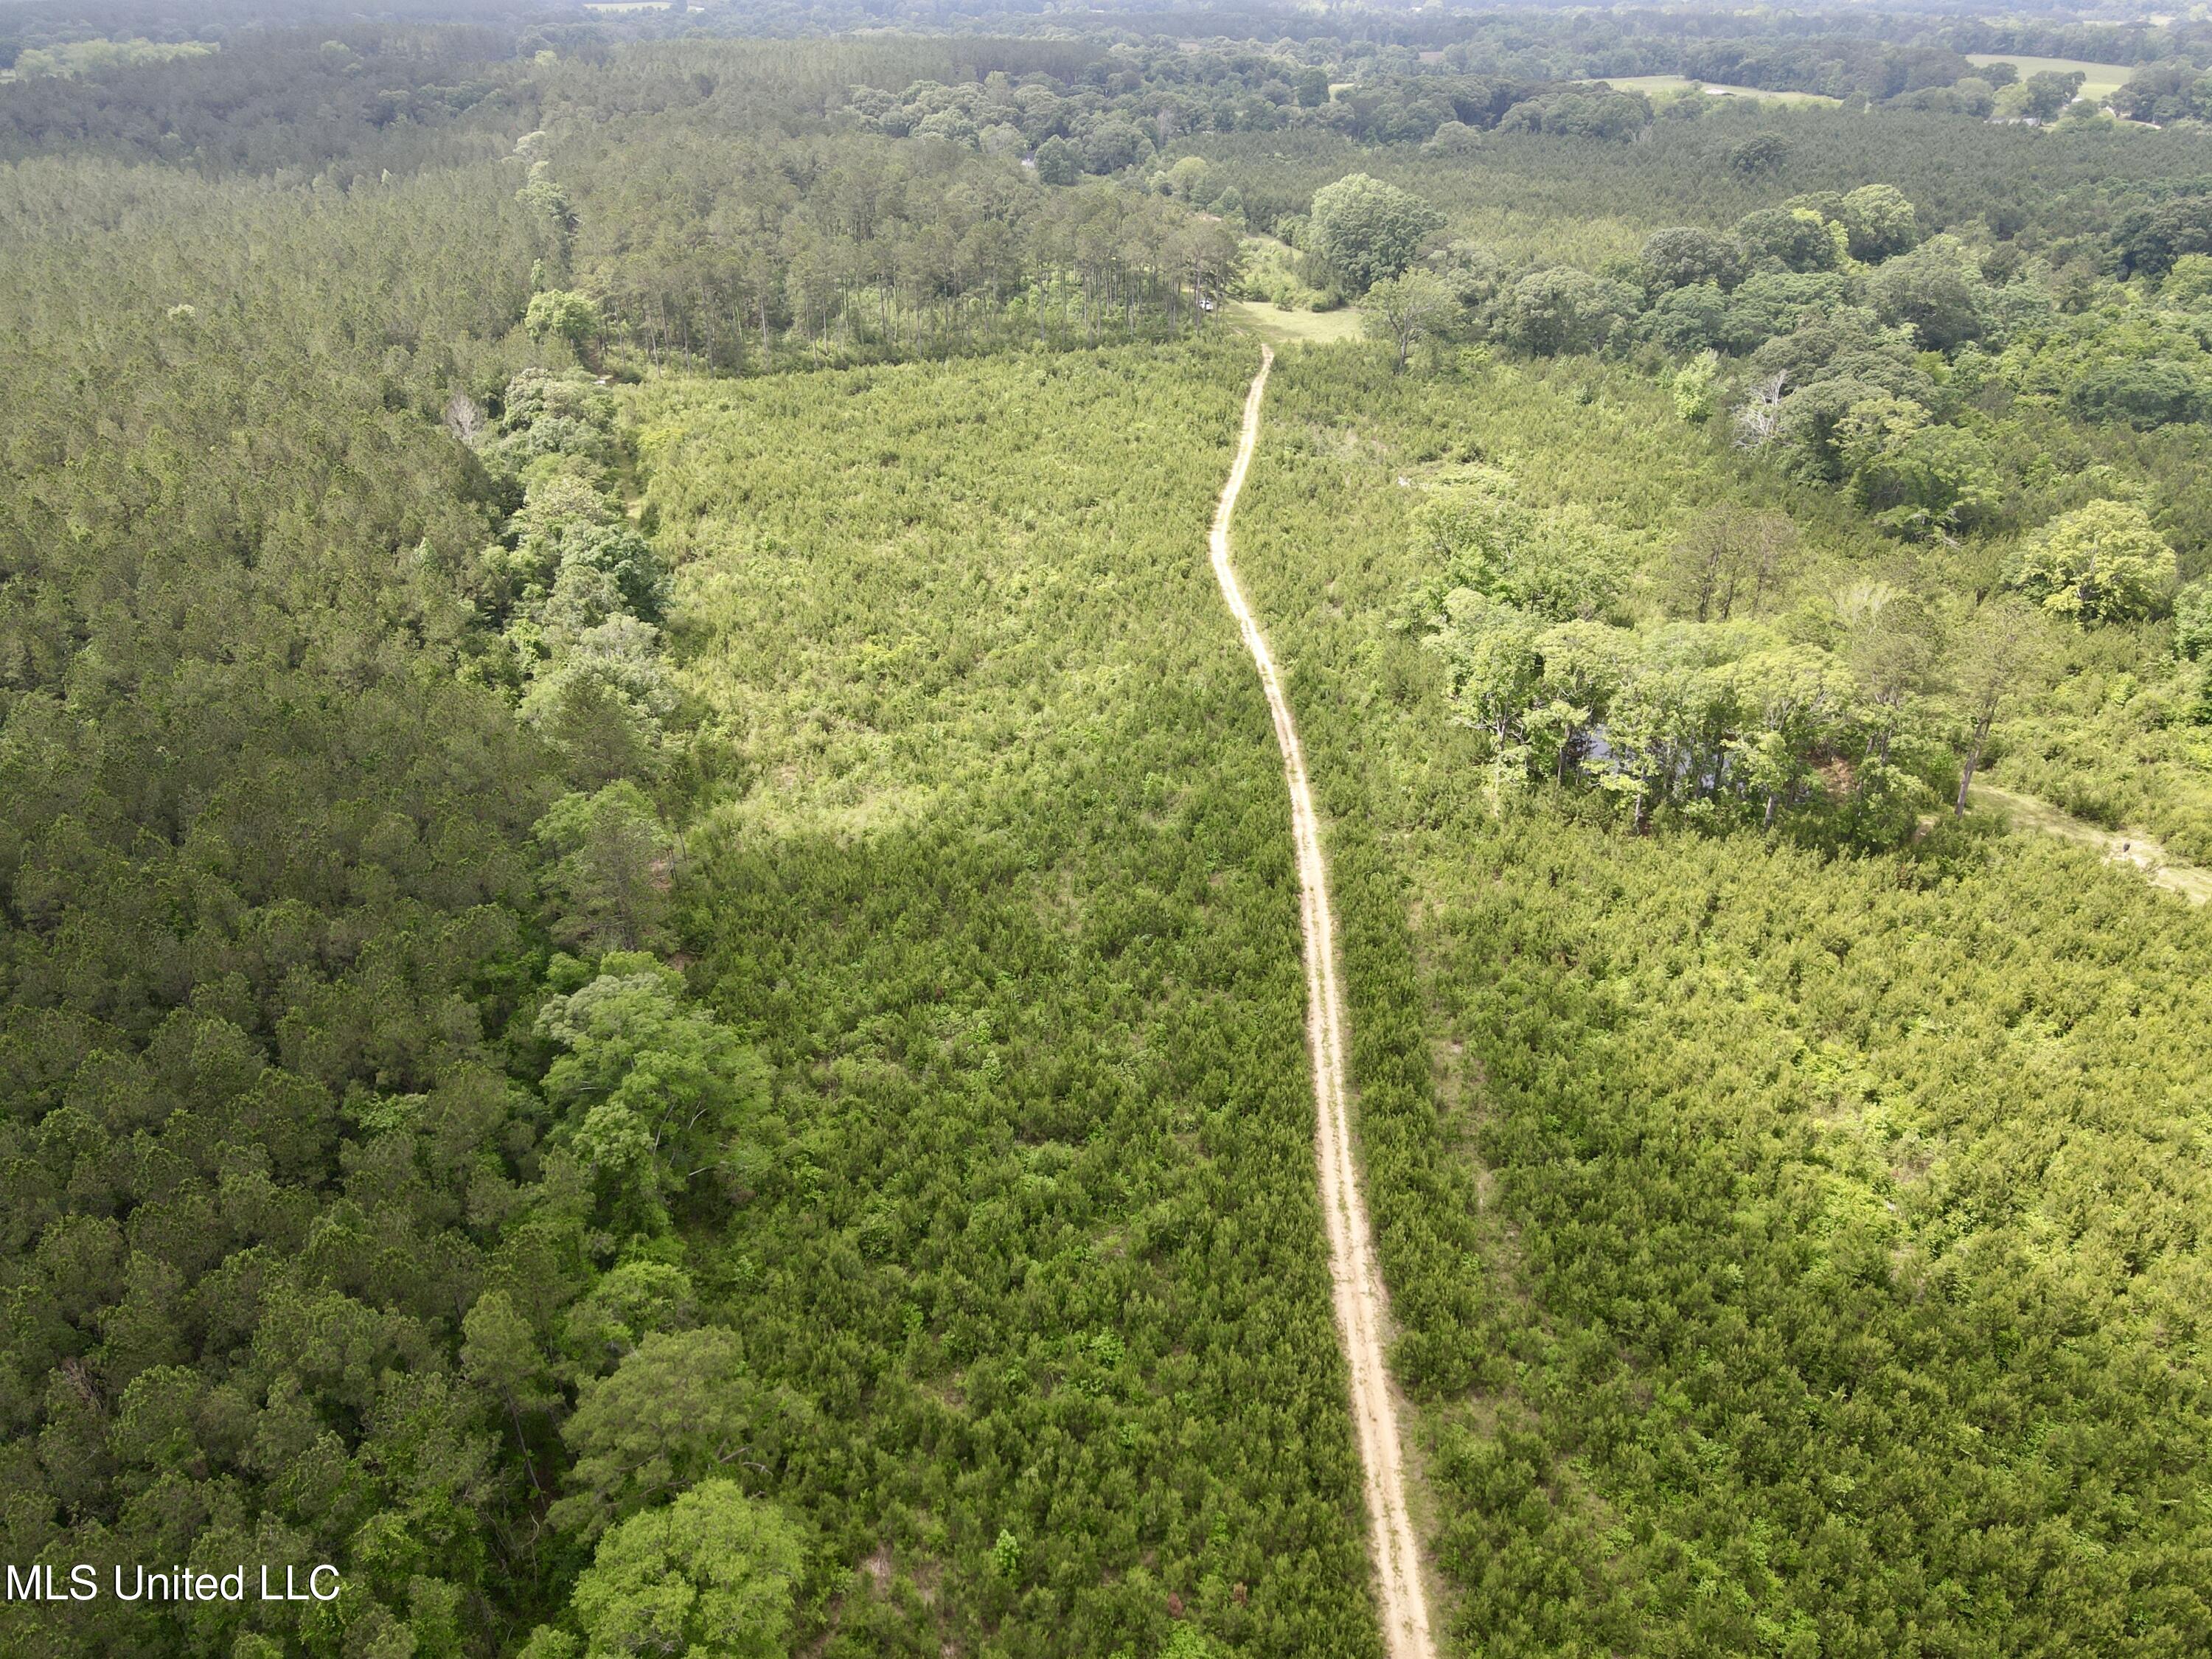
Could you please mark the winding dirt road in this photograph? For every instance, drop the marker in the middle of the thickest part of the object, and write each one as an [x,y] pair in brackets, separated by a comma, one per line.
[1363,1306]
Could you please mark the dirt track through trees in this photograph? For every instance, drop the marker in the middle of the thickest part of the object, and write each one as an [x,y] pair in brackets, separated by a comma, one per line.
[2192,882]
[1363,1307]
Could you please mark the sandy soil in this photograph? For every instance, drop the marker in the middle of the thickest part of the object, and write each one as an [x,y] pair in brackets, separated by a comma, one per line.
[1363,1306]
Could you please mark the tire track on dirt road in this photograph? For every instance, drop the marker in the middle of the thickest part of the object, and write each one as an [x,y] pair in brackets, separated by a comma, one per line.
[1363,1306]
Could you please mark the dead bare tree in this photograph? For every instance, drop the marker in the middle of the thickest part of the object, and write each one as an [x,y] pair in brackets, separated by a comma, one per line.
[1759,418]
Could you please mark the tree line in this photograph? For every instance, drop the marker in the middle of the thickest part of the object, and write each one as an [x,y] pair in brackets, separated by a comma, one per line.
[346,1088]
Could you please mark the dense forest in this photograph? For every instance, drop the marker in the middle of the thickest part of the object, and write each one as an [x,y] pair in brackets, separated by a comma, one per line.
[650,986]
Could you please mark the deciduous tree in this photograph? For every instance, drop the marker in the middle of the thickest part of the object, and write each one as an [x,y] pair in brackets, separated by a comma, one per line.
[710,1577]
[2103,562]
[1406,309]
[1367,229]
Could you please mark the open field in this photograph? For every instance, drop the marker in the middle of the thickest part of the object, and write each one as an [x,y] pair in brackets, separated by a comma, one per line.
[1650,83]
[2100,81]
[1281,327]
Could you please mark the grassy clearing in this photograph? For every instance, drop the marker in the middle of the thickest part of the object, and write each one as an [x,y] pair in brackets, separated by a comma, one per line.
[1719,89]
[2122,847]
[1651,84]
[1657,83]
[1278,326]
[2100,80]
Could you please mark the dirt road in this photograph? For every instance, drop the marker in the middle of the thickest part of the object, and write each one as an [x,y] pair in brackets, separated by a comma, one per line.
[1363,1307]
[2119,846]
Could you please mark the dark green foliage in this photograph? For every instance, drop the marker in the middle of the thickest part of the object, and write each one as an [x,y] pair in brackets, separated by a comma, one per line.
[606,858]
[1933,292]
[1565,310]
[2151,238]
[269,904]
[1580,113]
[1540,201]
[1793,238]
[1679,256]
[359,100]
[1367,230]
[1763,152]
[1689,321]
[295,1231]
[2143,394]
[2166,92]
[1776,304]
[1057,161]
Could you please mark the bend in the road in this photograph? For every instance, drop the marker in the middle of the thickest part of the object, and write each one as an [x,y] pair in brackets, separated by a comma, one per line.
[1361,1302]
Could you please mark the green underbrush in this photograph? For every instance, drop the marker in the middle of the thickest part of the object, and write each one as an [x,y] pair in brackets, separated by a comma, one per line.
[1001,887]
[1793,1253]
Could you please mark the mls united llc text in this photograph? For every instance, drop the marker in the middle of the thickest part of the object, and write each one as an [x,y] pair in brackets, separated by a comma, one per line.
[46,1582]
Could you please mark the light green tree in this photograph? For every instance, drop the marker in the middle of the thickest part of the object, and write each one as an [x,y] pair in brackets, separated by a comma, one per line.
[630,1302]
[1682,255]
[710,1577]
[2003,645]
[1369,230]
[1581,665]
[545,195]
[1728,557]
[601,699]
[1693,385]
[681,1409]
[654,1093]
[2103,562]
[1936,291]
[1794,699]
[2043,96]
[1879,222]
[1489,651]
[2189,282]
[1790,238]
[2192,619]
[1406,309]
[1558,563]
[563,314]
[1188,180]
[1916,480]
[1887,636]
